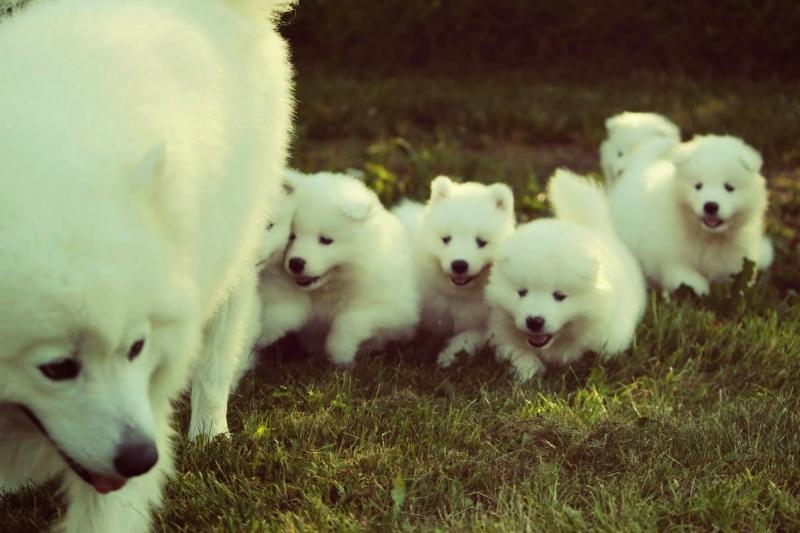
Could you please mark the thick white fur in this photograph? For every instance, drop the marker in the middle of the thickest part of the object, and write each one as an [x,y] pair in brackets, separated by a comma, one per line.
[141,143]
[658,213]
[464,212]
[578,255]
[365,294]
[633,140]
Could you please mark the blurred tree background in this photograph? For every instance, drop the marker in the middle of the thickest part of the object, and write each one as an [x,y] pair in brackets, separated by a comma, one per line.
[586,37]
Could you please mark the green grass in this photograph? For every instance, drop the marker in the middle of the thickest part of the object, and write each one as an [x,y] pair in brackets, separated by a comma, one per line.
[694,429]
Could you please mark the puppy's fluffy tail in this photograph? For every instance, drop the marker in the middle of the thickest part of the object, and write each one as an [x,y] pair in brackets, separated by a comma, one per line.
[580,200]
[270,8]
[408,212]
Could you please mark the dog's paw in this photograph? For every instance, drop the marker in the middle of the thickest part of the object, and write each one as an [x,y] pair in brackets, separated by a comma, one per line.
[526,368]
[446,358]
[208,430]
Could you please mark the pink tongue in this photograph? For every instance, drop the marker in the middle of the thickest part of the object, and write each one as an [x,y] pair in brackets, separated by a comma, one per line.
[104,485]
[713,221]
[538,339]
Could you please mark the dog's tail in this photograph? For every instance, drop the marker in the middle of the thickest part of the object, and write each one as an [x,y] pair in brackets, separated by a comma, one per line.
[580,200]
[270,8]
[408,213]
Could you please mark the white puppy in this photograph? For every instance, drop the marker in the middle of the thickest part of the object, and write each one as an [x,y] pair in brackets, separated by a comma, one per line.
[635,139]
[564,286]
[350,267]
[136,173]
[693,218]
[454,239]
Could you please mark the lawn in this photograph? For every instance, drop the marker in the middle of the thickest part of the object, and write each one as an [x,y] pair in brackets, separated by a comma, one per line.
[692,429]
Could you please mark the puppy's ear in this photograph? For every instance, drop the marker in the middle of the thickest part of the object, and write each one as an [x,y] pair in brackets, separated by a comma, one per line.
[441,188]
[150,167]
[750,159]
[503,196]
[358,204]
[681,153]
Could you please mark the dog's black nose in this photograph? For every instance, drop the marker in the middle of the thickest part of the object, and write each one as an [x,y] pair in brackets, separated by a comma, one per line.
[459,266]
[136,459]
[296,265]
[534,323]
[711,208]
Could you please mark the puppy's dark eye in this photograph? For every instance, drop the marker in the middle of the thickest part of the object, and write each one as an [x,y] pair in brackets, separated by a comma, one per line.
[522,293]
[559,296]
[729,187]
[619,154]
[698,186]
[270,225]
[325,240]
[480,242]
[135,349]
[61,370]
[291,236]
[446,240]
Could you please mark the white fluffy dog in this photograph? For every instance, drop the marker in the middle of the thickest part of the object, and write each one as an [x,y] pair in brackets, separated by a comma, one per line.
[694,217]
[633,140]
[564,286]
[348,280]
[141,144]
[454,238]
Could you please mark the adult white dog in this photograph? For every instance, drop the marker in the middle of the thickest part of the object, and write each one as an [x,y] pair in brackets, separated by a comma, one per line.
[348,281]
[633,140]
[692,218]
[564,286]
[454,239]
[141,143]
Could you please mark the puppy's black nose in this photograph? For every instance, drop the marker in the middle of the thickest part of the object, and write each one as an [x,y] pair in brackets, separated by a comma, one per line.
[534,323]
[459,266]
[711,208]
[136,459]
[296,265]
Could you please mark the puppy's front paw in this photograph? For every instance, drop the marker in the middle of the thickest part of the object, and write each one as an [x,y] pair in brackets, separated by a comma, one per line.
[446,358]
[341,354]
[525,368]
[208,428]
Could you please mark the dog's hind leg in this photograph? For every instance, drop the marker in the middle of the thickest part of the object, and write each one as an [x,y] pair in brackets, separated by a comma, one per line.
[228,340]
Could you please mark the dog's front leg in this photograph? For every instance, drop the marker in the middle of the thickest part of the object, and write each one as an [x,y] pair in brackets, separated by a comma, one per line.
[348,332]
[526,365]
[466,341]
[677,274]
[227,341]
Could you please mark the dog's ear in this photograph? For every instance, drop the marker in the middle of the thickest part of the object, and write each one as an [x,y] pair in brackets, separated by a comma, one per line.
[150,167]
[681,153]
[750,159]
[358,203]
[441,188]
[503,196]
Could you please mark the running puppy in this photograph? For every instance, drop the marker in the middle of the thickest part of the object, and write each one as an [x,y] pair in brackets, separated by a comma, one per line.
[563,286]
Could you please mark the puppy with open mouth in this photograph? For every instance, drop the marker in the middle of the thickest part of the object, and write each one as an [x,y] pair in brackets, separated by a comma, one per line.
[694,216]
[454,239]
[346,279]
[563,286]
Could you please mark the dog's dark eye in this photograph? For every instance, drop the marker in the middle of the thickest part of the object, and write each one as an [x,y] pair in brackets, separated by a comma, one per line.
[522,293]
[480,242]
[729,187]
[291,236]
[619,154]
[61,370]
[559,296]
[136,349]
[446,239]
[325,240]
[698,186]
[270,225]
